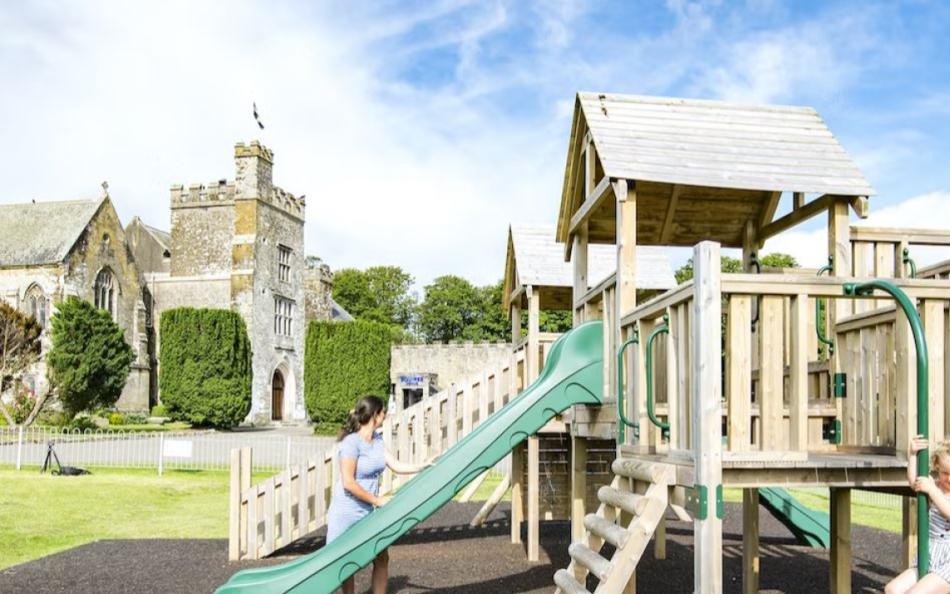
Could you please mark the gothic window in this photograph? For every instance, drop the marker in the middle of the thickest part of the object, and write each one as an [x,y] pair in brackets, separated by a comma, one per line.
[105,291]
[36,304]
[283,263]
[283,315]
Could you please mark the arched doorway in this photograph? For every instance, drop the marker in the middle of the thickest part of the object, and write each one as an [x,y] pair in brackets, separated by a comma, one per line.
[277,396]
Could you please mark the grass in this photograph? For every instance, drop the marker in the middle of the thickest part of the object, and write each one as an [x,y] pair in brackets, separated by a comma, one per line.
[149,428]
[43,514]
[882,518]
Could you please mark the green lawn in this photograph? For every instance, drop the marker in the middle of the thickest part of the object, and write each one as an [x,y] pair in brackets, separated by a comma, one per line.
[43,514]
[883,518]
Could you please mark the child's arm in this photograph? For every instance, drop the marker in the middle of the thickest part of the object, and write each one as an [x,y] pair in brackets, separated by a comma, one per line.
[917,443]
[937,498]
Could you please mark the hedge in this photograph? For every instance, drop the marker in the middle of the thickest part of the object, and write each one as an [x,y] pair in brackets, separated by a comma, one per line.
[344,361]
[205,372]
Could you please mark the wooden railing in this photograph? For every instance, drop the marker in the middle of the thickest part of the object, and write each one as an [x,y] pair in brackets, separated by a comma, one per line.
[777,391]
[272,514]
[879,251]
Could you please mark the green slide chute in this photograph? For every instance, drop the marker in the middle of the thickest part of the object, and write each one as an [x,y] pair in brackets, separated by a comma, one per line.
[573,375]
[809,526]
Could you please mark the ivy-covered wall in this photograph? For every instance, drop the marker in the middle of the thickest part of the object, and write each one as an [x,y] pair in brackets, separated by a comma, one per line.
[205,369]
[344,362]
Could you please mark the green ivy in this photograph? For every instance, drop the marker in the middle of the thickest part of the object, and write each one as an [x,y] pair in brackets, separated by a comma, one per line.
[343,362]
[205,373]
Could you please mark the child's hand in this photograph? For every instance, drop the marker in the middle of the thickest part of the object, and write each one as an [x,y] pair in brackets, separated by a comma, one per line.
[917,444]
[925,484]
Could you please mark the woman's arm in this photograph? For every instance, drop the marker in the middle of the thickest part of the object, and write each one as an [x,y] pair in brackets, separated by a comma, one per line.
[402,467]
[348,478]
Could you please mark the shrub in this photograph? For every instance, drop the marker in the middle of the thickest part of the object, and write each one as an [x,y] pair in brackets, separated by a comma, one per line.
[342,363]
[89,360]
[82,423]
[116,418]
[159,411]
[205,374]
[136,419]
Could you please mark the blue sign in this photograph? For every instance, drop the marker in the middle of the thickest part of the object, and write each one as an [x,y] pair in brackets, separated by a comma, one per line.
[412,380]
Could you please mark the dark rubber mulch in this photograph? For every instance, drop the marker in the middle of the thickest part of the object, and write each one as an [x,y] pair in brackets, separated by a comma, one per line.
[444,556]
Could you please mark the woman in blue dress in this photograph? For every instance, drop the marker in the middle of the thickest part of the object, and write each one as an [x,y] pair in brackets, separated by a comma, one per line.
[362,458]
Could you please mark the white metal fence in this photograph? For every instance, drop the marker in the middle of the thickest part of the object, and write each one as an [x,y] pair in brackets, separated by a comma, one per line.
[194,450]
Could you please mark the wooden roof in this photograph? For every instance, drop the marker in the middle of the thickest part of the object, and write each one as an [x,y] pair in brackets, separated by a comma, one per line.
[535,258]
[702,168]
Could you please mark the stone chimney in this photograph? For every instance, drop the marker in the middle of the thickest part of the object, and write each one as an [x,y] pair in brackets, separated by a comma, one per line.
[254,166]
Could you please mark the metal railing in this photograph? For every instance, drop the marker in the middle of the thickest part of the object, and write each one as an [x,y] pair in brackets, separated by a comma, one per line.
[190,450]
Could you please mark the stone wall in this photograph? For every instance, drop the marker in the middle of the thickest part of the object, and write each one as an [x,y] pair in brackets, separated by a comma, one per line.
[318,290]
[450,362]
[202,228]
[148,252]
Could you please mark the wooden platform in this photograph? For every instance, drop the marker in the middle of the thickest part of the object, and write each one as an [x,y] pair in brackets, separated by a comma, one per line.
[826,469]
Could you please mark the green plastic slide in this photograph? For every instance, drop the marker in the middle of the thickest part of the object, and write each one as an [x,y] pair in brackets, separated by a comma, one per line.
[573,375]
[809,526]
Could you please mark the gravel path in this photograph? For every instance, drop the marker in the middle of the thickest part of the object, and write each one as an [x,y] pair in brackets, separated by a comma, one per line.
[444,556]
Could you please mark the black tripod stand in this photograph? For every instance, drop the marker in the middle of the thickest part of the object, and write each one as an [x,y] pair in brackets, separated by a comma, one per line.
[61,470]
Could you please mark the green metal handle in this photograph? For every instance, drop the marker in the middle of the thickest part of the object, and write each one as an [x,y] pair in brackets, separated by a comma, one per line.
[819,305]
[908,260]
[923,400]
[624,421]
[663,328]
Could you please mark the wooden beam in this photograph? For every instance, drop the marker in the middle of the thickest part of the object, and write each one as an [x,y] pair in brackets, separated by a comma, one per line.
[750,541]
[798,200]
[798,374]
[667,228]
[897,235]
[517,491]
[706,410]
[840,541]
[534,495]
[578,487]
[595,199]
[861,206]
[739,372]
[626,195]
[580,270]
[533,352]
[768,211]
[795,217]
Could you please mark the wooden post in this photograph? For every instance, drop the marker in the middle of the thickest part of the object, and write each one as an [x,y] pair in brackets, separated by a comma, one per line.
[534,494]
[516,322]
[533,350]
[626,194]
[517,491]
[750,541]
[234,507]
[840,541]
[706,411]
[739,372]
[578,487]
[906,384]
[771,373]
[798,375]
[839,248]
[934,329]
[579,251]
[908,531]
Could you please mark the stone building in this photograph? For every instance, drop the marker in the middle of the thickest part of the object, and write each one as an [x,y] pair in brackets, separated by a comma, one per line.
[52,250]
[239,245]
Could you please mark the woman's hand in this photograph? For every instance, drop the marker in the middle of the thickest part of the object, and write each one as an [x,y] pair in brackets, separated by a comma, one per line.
[926,485]
[917,444]
[381,501]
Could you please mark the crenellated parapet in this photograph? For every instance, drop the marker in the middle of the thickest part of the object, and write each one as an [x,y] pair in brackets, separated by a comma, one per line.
[215,193]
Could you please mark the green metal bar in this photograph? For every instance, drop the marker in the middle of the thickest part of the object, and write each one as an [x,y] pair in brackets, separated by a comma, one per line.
[624,421]
[663,328]
[819,306]
[908,260]
[923,401]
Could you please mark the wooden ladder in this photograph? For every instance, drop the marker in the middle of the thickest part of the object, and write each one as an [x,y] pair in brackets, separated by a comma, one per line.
[624,519]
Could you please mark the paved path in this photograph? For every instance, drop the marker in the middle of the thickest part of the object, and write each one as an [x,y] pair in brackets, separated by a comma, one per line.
[444,556]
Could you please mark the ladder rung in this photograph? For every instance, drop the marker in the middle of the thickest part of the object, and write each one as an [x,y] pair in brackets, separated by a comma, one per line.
[607,530]
[632,503]
[638,469]
[582,554]
[568,583]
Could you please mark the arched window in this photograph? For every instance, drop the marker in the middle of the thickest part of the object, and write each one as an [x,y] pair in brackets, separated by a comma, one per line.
[36,302]
[105,291]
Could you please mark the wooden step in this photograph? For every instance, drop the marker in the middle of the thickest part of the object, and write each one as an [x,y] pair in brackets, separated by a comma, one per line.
[607,530]
[583,555]
[632,503]
[649,472]
[568,584]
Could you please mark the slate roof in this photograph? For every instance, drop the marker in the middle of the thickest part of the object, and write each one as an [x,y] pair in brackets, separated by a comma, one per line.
[540,261]
[33,234]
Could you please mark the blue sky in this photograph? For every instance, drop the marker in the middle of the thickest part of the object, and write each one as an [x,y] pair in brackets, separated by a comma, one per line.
[419,131]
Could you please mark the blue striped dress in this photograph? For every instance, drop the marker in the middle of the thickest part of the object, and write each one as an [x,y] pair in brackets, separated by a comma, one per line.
[939,544]
[345,508]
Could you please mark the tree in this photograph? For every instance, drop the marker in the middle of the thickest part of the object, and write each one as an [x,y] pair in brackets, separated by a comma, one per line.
[206,371]
[685,272]
[778,260]
[451,304]
[89,360]
[378,294]
[19,349]
[490,322]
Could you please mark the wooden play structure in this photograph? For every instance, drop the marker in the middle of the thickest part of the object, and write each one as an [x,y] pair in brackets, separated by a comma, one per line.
[744,396]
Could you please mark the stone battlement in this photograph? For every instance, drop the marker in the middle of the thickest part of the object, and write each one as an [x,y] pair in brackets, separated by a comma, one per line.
[219,192]
[254,149]
[286,201]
